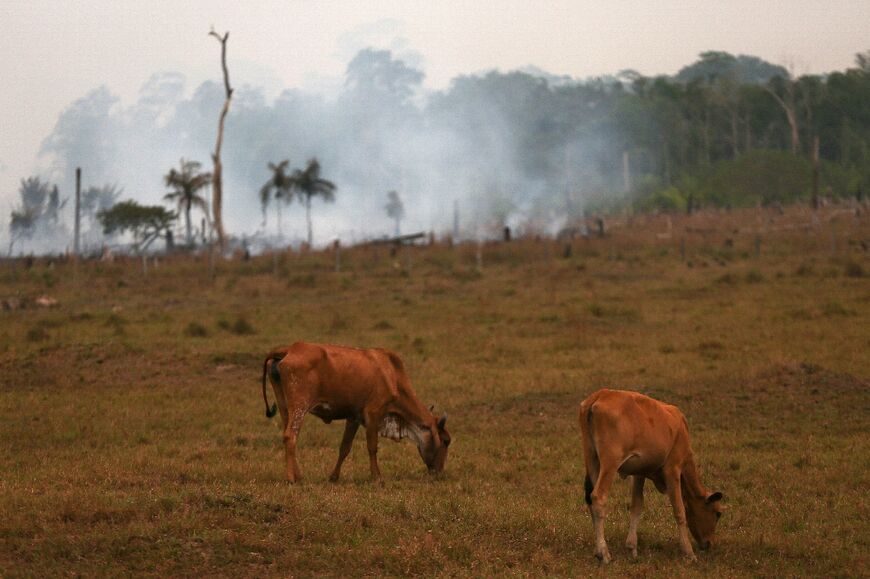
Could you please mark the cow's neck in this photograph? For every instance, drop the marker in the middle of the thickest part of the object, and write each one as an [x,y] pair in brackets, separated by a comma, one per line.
[417,420]
[691,480]
[399,425]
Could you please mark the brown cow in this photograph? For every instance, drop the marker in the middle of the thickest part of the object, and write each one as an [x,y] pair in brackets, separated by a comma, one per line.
[366,387]
[632,434]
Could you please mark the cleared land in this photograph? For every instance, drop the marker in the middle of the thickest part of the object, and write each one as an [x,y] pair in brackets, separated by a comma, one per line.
[132,435]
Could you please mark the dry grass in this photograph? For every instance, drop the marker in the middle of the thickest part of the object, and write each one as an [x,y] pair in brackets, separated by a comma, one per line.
[133,437]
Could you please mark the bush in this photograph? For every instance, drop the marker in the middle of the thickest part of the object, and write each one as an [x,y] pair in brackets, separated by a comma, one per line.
[854,269]
[754,276]
[831,309]
[670,200]
[37,334]
[195,330]
[241,327]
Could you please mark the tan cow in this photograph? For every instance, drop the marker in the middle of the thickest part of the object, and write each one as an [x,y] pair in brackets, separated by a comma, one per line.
[366,387]
[633,435]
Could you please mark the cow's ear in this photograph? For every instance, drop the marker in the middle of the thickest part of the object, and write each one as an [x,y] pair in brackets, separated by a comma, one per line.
[442,421]
[713,497]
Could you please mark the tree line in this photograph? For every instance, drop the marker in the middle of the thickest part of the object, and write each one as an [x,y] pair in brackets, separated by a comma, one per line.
[725,131]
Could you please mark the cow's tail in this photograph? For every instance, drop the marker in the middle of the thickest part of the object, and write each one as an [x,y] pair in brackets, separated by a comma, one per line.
[271,359]
[590,455]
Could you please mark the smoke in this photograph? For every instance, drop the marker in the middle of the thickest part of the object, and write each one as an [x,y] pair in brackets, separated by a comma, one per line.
[511,148]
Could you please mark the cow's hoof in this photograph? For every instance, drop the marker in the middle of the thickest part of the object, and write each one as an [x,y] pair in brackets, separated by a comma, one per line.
[603,557]
[333,478]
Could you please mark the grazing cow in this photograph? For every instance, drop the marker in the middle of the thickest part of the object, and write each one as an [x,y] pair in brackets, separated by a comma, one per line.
[366,387]
[633,435]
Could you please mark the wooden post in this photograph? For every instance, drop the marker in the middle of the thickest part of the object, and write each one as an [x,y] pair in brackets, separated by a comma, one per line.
[407,247]
[626,172]
[337,247]
[78,217]
[479,255]
[456,219]
[815,198]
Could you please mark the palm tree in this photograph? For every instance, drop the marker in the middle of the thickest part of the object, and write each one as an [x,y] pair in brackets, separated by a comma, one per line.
[282,185]
[185,184]
[310,184]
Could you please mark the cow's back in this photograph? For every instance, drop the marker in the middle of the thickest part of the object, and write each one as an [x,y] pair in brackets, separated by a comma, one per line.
[342,375]
[630,423]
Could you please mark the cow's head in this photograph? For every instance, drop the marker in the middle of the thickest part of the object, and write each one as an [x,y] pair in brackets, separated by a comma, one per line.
[702,514]
[433,445]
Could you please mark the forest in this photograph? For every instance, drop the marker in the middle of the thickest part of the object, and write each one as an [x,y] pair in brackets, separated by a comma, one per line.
[524,148]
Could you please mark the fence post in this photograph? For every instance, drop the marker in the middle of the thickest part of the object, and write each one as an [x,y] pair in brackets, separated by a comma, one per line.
[78,218]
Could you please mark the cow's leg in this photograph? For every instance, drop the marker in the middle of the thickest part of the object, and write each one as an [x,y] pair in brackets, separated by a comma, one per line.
[598,507]
[373,424]
[296,413]
[672,478]
[591,475]
[350,429]
[636,510]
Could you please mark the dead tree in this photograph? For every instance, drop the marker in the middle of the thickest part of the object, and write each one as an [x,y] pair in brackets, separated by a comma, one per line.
[787,103]
[217,181]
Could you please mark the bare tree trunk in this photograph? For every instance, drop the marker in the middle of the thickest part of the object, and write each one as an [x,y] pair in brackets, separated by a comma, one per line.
[626,172]
[308,217]
[815,197]
[788,106]
[707,135]
[78,218]
[748,132]
[735,132]
[217,182]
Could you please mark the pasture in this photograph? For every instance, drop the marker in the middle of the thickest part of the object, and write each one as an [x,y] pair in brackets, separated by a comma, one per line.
[133,441]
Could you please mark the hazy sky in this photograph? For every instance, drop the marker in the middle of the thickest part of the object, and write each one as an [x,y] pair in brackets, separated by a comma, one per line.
[54,51]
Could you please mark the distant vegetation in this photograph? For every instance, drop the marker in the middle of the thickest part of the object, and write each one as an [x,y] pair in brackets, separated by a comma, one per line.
[529,149]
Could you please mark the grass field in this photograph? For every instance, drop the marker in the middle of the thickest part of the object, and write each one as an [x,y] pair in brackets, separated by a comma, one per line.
[133,441]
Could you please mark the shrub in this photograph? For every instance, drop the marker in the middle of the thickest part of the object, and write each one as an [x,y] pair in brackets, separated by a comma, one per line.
[754,276]
[854,269]
[241,327]
[338,323]
[831,309]
[37,334]
[195,330]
